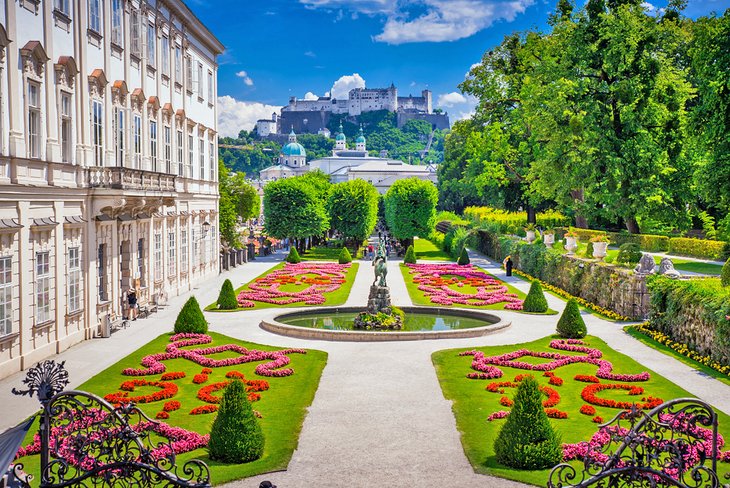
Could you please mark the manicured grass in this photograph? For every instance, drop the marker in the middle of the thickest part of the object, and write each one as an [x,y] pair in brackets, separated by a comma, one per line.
[337,297]
[283,407]
[701,368]
[472,404]
[325,253]
[419,298]
[428,251]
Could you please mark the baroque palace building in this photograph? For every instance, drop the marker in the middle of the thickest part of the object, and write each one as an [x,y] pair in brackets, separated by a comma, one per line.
[108,165]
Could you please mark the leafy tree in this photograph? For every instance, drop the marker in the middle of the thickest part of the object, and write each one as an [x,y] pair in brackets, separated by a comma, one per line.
[410,208]
[191,318]
[527,439]
[293,208]
[535,301]
[353,209]
[410,257]
[245,197]
[236,436]
[571,324]
[227,297]
[345,256]
[227,217]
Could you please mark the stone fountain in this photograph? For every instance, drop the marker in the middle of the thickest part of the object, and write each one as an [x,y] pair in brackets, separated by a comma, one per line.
[380,313]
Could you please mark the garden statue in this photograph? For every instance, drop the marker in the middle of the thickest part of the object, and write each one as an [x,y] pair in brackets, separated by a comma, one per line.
[380,313]
[381,265]
[646,264]
[666,268]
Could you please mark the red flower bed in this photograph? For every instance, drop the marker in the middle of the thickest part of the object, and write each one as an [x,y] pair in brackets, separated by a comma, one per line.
[252,386]
[173,375]
[171,406]
[554,413]
[200,378]
[597,419]
[162,415]
[206,371]
[553,397]
[586,378]
[588,410]
[506,402]
[168,390]
[589,395]
[554,380]
[204,409]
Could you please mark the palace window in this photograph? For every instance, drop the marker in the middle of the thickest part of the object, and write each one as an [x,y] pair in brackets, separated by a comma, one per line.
[74,279]
[201,147]
[213,250]
[95,16]
[97,131]
[196,245]
[136,34]
[66,143]
[180,152]
[157,243]
[151,44]
[165,56]
[117,24]
[191,155]
[171,254]
[137,141]
[203,247]
[62,6]
[168,150]
[211,156]
[34,120]
[153,144]
[183,250]
[42,287]
[200,80]
[178,65]
[6,295]
[119,131]
[101,271]
[189,73]
[140,261]
[210,87]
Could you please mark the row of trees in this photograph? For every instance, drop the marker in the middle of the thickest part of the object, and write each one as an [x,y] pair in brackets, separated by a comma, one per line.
[617,115]
[239,200]
[308,206]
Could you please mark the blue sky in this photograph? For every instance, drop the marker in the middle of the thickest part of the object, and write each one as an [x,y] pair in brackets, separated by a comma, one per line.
[281,48]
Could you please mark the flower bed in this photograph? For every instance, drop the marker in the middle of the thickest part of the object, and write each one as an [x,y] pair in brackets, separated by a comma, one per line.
[317,279]
[443,284]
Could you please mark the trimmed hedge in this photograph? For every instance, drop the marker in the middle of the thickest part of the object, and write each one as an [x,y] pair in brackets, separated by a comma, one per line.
[236,436]
[293,256]
[571,324]
[191,318]
[535,301]
[227,297]
[463,257]
[410,257]
[629,253]
[512,222]
[345,256]
[725,274]
[527,439]
[698,248]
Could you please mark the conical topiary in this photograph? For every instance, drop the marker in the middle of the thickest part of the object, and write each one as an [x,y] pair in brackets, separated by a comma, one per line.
[535,301]
[227,297]
[236,436]
[345,256]
[410,257]
[571,325]
[191,318]
[589,250]
[725,274]
[293,256]
[527,439]
[463,257]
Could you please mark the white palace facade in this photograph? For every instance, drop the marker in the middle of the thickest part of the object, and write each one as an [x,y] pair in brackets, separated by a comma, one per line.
[108,165]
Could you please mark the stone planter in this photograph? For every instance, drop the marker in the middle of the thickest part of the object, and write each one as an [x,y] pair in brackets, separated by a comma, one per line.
[548,239]
[570,244]
[600,250]
[530,236]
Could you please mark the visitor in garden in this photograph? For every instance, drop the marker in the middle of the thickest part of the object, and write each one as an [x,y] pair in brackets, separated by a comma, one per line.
[508,265]
[132,302]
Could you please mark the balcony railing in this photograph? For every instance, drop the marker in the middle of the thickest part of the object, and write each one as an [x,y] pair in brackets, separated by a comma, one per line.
[119,178]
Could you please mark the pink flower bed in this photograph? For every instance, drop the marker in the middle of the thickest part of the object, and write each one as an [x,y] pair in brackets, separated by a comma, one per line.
[435,281]
[273,368]
[487,366]
[327,277]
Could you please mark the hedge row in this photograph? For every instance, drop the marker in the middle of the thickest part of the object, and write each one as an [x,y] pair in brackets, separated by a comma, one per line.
[693,312]
[699,248]
[512,221]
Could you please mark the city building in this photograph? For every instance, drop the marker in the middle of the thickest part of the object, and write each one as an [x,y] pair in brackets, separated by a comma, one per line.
[346,164]
[264,127]
[108,165]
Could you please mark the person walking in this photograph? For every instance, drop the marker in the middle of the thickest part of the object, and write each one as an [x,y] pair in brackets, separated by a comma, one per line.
[508,265]
[132,302]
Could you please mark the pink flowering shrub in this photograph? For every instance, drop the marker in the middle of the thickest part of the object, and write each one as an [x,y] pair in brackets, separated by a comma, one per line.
[435,281]
[273,368]
[328,277]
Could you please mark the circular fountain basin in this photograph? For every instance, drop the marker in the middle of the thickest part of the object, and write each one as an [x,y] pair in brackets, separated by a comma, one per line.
[336,324]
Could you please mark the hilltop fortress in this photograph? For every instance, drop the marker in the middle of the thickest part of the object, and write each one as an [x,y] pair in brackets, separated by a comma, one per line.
[313,116]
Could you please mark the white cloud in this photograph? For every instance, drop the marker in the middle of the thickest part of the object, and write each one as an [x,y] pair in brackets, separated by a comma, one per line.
[246,79]
[460,106]
[341,88]
[435,20]
[234,115]
[310,96]
[310,54]
[450,99]
[651,9]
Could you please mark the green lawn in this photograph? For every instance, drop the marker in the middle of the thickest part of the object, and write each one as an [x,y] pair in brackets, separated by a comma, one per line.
[472,404]
[283,407]
[325,253]
[428,251]
[337,297]
[419,298]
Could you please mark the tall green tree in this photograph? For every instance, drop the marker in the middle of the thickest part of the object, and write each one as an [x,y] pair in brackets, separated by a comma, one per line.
[227,217]
[245,197]
[410,208]
[293,208]
[353,209]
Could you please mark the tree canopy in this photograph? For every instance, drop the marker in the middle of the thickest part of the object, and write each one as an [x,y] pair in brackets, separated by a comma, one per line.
[410,208]
[294,208]
[353,208]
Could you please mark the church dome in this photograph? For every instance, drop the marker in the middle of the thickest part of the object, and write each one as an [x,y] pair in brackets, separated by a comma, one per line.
[340,137]
[360,139]
[293,149]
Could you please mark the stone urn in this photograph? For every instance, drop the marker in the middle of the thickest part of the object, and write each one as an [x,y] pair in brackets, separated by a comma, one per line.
[571,244]
[600,249]
[530,236]
[548,239]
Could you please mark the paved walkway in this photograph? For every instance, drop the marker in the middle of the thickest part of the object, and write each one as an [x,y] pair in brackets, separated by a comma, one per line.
[379,417]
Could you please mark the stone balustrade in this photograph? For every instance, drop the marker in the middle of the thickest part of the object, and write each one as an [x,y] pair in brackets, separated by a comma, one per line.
[120,178]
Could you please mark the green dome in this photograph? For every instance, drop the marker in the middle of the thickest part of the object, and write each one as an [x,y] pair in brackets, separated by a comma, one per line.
[340,137]
[360,139]
[293,149]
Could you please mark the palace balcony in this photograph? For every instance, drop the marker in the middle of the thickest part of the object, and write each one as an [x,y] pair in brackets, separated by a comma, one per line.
[120,178]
